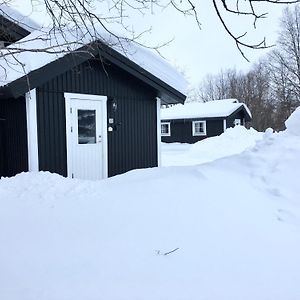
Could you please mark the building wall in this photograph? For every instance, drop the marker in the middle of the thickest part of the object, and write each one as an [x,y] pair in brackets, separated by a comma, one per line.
[181,130]
[13,137]
[132,145]
[237,115]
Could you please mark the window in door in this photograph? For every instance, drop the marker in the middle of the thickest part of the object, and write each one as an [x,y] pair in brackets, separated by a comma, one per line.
[86,126]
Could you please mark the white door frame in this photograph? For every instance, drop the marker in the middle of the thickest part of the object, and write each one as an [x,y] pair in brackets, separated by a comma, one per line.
[103,99]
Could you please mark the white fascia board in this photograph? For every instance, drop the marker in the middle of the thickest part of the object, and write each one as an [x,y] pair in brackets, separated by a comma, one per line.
[158,128]
[32,136]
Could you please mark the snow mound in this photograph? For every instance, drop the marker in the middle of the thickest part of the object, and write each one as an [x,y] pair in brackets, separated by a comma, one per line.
[224,230]
[293,123]
[232,141]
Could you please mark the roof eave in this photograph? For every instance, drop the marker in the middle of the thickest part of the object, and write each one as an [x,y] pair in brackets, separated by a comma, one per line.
[13,29]
[167,93]
[33,79]
[195,117]
[248,117]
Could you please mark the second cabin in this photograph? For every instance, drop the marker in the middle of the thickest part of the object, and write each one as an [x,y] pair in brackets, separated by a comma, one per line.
[193,122]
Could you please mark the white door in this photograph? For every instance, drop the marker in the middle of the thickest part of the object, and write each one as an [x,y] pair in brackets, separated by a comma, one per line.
[86,136]
[237,122]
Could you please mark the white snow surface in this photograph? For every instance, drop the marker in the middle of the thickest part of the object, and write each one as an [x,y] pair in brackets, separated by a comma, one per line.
[44,46]
[210,109]
[232,141]
[293,123]
[235,223]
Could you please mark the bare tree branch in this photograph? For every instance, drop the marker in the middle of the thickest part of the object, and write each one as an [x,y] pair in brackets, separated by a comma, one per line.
[84,17]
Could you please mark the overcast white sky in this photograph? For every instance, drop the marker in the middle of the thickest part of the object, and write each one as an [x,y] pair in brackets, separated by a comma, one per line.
[210,49]
[200,52]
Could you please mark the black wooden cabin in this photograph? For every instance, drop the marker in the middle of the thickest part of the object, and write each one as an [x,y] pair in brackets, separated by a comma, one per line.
[194,122]
[78,94]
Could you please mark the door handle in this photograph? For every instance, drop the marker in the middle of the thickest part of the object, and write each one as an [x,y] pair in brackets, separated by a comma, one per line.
[99,139]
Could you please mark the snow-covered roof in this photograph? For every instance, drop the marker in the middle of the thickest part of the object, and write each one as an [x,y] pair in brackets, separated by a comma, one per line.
[211,109]
[32,54]
[16,17]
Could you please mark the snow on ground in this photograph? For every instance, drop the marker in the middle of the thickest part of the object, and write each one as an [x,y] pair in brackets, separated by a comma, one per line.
[232,141]
[235,222]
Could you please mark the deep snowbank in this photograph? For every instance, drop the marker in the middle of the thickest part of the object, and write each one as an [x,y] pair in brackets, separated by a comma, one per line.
[293,123]
[232,141]
[236,222]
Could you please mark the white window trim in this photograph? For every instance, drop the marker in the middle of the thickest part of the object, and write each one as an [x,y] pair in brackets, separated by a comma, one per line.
[68,97]
[199,133]
[169,129]
[32,135]
[158,103]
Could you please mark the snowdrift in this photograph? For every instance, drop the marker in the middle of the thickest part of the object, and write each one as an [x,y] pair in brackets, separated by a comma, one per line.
[225,230]
[232,141]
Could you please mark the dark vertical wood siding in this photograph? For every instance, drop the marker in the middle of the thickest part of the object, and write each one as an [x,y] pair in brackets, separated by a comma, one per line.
[51,130]
[13,137]
[3,155]
[181,130]
[134,142]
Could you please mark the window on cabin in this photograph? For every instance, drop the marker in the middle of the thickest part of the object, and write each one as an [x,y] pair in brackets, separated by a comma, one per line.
[166,129]
[199,128]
